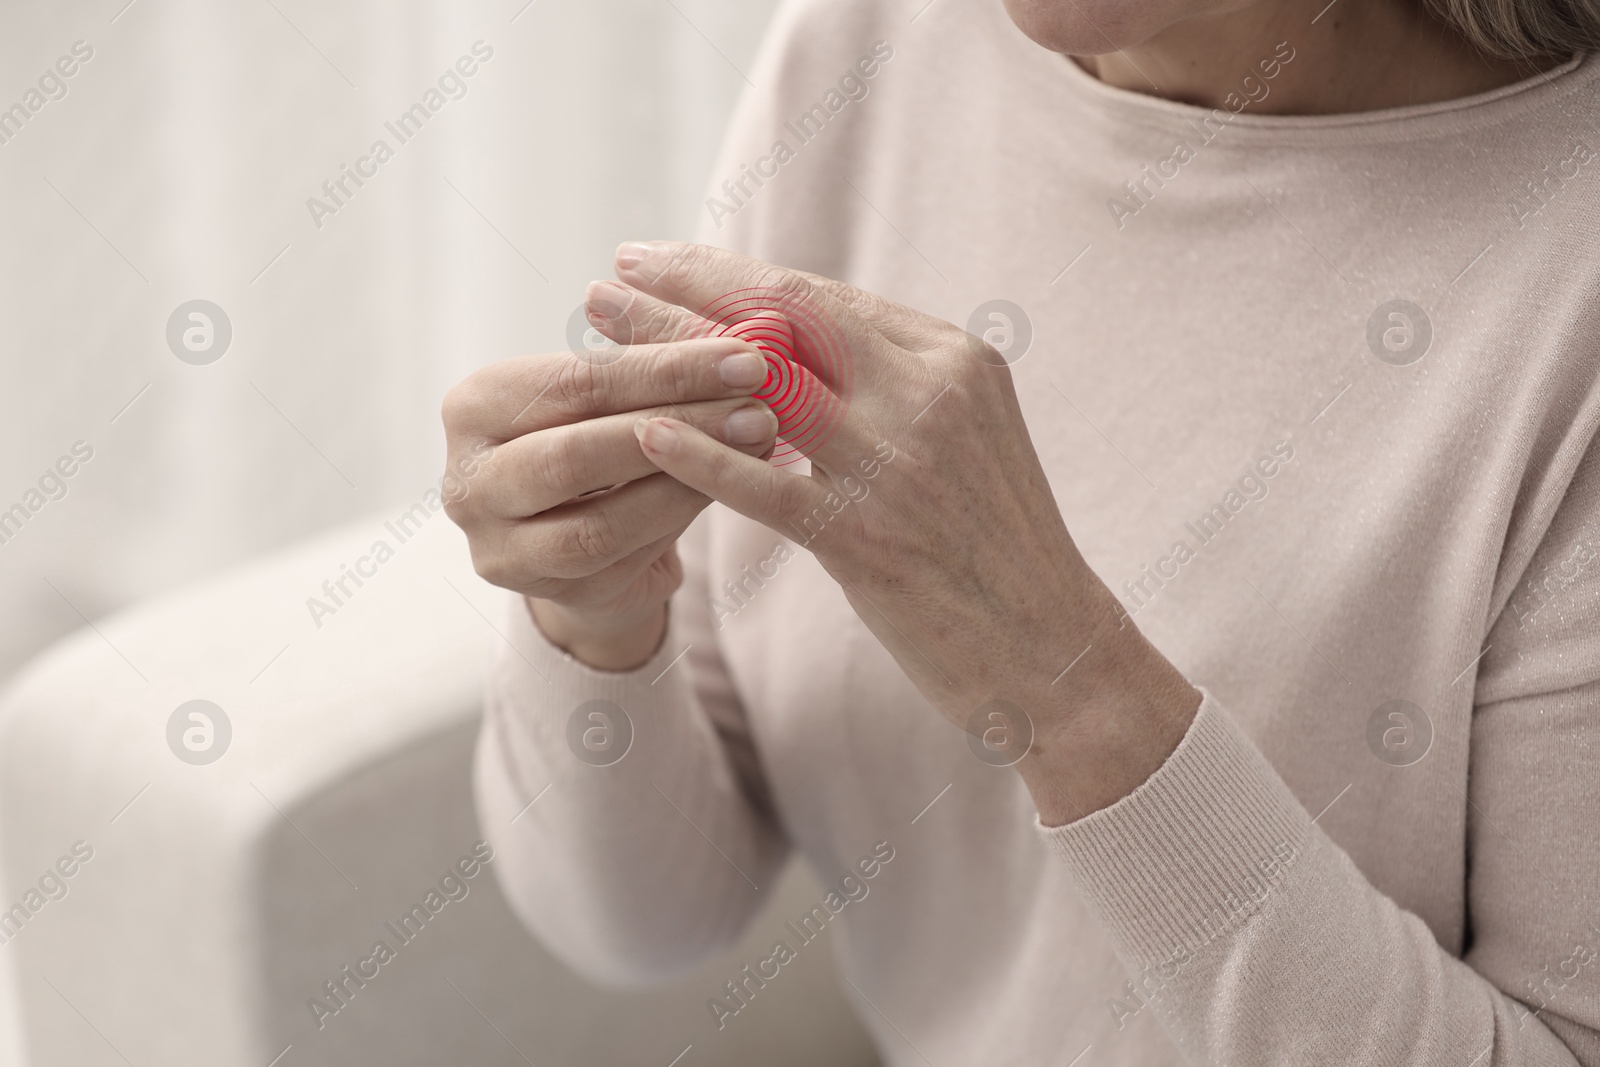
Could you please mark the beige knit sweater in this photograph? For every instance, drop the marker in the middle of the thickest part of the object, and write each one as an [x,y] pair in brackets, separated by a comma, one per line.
[1367,530]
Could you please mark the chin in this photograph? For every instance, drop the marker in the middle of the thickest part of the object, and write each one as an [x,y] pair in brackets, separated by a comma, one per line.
[1093,27]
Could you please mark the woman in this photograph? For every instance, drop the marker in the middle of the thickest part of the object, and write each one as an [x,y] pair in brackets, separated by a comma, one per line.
[1285,754]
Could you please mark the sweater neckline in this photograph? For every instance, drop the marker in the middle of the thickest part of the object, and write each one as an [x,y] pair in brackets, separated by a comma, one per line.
[1386,124]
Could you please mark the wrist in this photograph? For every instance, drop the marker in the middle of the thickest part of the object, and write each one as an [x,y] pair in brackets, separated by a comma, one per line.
[621,642]
[1122,718]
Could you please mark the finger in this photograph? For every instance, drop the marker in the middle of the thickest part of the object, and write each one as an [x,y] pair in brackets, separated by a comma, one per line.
[904,326]
[814,344]
[770,495]
[517,396]
[620,313]
[583,537]
[537,471]
[631,317]
[811,417]
[833,342]
[606,587]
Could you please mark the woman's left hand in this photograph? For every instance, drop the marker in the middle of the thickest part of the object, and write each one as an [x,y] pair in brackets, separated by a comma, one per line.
[927,503]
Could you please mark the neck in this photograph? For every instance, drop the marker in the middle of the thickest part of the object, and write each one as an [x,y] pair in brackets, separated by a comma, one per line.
[1357,56]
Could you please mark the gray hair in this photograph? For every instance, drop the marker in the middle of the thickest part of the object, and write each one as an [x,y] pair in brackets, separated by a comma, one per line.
[1524,29]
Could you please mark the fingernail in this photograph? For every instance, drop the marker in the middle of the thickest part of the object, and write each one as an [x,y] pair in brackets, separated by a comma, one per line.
[742,370]
[631,253]
[751,425]
[656,436]
[608,300]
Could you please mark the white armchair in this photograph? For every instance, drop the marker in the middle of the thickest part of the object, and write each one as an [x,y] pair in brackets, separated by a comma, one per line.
[220,897]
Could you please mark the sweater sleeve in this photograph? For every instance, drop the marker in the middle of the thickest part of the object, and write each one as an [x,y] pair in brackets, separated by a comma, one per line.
[1257,939]
[629,816]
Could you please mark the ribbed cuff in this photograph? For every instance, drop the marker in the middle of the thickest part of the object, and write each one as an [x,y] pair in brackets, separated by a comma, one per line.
[540,685]
[1193,851]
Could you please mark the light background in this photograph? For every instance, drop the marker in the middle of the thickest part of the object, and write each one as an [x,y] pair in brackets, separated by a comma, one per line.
[178,166]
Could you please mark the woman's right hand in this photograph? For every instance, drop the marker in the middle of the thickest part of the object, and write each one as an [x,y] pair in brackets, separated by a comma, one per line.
[528,437]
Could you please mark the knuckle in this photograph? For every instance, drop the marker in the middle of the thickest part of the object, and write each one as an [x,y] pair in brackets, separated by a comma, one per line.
[595,539]
[653,322]
[466,508]
[678,371]
[458,511]
[557,463]
[460,403]
[574,384]
[687,261]
[549,555]
[783,283]
[493,567]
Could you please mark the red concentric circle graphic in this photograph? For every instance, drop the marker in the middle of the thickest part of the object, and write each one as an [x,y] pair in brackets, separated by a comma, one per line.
[809,372]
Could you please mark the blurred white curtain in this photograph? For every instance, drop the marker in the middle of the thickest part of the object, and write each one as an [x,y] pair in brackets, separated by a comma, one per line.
[177,166]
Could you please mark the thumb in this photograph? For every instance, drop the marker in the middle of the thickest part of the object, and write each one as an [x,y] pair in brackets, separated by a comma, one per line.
[772,496]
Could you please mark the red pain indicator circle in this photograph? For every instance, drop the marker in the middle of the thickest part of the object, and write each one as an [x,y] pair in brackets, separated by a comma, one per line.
[809,371]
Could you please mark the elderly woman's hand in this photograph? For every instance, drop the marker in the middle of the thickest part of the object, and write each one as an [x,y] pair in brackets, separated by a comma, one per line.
[566,510]
[927,503]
